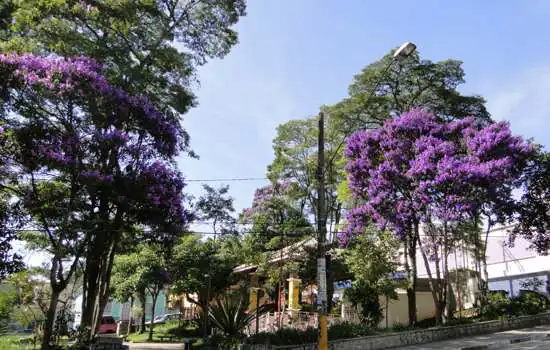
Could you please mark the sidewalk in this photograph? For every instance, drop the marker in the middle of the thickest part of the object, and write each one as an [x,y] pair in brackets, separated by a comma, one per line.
[503,340]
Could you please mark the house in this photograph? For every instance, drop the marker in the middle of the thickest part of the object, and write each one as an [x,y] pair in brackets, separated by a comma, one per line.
[508,266]
[294,306]
[121,311]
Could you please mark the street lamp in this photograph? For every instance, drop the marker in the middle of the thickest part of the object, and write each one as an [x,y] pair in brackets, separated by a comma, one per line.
[402,52]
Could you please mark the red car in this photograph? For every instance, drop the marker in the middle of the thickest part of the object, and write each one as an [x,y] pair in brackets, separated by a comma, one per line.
[107,325]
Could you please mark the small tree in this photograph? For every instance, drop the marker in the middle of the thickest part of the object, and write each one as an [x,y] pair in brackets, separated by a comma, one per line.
[198,268]
[215,207]
[372,258]
[146,270]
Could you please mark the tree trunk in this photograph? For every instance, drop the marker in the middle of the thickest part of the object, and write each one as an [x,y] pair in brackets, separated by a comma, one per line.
[154,296]
[50,318]
[485,277]
[330,282]
[130,315]
[434,286]
[142,300]
[410,267]
[99,264]
[387,307]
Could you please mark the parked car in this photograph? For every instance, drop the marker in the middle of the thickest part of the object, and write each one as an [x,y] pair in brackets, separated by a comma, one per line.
[160,319]
[107,325]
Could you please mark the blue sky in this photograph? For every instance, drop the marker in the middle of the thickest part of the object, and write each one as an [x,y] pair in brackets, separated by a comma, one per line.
[296,55]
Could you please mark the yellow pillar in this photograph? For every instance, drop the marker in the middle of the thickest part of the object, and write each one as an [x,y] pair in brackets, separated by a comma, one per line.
[253,292]
[294,293]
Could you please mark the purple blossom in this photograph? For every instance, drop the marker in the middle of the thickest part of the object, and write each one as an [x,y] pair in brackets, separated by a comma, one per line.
[73,76]
[416,165]
[96,177]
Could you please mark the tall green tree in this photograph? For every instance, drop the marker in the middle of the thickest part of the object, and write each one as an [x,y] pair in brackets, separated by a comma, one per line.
[533,209]
[150,48]
[382,90]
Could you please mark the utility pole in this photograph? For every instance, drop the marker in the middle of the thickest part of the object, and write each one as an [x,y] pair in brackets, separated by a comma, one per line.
[403,51]
[321,239]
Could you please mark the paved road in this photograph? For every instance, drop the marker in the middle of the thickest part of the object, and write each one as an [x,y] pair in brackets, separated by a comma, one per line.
[529,338]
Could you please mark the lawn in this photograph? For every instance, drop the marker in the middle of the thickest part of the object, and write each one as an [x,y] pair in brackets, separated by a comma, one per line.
[170,328]
[12,342]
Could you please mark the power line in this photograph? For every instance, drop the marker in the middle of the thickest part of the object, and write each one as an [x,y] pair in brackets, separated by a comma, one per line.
[229,179]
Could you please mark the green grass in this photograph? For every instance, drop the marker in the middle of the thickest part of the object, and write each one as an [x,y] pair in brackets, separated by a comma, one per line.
[11,342]
[170,328]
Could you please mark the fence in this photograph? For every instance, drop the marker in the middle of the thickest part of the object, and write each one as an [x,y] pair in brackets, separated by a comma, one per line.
[420,336]
[274,321]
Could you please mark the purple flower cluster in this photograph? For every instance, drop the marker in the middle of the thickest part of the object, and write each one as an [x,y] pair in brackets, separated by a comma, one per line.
[64,76]
[163,188]
[263,195]
[51,153]
[96,177]
[416,164]
[116,136]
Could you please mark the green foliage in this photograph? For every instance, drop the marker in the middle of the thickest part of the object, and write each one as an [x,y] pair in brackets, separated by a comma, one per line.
[191,264]
[150,47]
[295,148]
[349,330]
[216,208]
[143,270]
[288,336]
[365,298]
[7,303]
[285,336]
[373,256]
[529,303]
[228,313]
[533,208]
[16,342]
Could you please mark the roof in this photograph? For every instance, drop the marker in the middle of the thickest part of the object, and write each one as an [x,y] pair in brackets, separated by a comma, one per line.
[283,254]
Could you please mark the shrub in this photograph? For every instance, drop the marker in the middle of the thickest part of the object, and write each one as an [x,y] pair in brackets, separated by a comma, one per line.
[285,336]
[529,303]
[229,313]
[497,305]
[364,297]
[348,330]
[221,342]
[288,336]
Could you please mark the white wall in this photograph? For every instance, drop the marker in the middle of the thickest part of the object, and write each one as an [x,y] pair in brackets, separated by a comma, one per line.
[398,311]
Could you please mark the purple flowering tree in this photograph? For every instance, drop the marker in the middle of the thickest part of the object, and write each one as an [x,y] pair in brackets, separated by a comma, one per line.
[417,170]
[91,163]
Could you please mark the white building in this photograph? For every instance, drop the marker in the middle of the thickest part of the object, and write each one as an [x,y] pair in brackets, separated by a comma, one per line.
[507,266]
